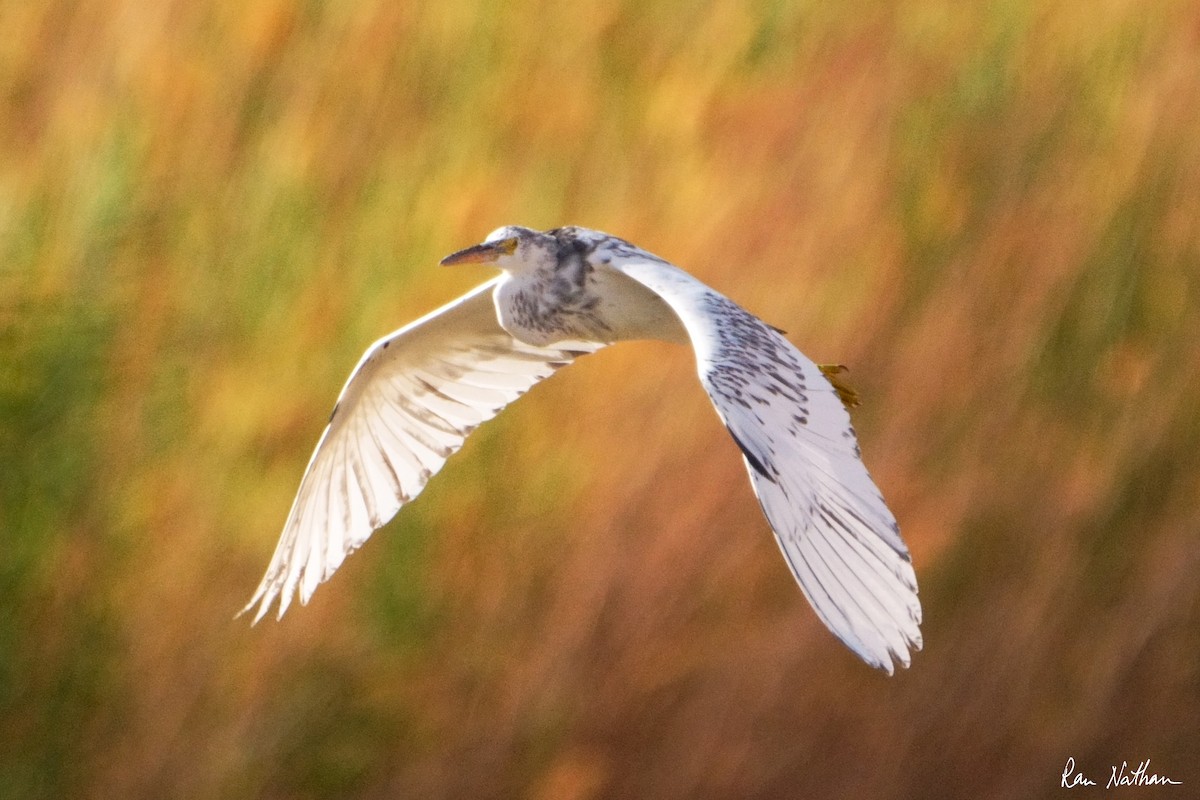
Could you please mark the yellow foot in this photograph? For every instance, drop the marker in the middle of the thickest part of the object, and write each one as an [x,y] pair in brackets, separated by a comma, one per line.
[847,395]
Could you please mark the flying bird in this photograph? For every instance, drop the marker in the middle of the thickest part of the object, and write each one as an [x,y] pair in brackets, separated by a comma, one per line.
[417,393]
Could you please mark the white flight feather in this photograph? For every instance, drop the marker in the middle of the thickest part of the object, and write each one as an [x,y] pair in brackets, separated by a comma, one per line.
[409,404]
[838,536]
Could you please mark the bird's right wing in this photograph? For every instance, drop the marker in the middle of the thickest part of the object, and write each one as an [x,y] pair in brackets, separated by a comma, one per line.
[409,404]
[835,531]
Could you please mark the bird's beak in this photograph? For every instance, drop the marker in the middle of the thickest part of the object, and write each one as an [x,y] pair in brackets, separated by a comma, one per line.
[486,253]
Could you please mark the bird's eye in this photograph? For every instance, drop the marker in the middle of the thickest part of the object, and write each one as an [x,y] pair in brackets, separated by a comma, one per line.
[508,246]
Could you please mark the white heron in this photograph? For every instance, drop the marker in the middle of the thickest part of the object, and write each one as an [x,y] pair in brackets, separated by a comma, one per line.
[417,393]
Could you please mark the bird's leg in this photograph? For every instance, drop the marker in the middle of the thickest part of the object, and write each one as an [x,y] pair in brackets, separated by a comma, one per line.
[845,393]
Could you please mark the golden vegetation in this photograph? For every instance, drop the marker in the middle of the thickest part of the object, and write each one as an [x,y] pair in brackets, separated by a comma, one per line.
[207,210]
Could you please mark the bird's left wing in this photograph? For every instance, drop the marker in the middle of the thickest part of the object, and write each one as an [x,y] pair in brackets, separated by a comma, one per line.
[838,536]
[409,404]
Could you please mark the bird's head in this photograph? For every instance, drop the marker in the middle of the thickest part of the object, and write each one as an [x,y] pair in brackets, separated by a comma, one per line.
[514,249]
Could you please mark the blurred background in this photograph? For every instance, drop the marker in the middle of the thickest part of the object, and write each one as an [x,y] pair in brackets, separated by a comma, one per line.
[990,212]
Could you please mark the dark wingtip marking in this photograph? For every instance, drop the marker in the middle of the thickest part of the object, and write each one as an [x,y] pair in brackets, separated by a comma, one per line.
[333,413]
[751,459]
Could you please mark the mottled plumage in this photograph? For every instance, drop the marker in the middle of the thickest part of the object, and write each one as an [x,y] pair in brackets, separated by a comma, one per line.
[417,393]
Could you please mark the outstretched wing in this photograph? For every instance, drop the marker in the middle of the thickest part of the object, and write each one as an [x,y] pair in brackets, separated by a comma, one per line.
[409,404]
[838,536]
